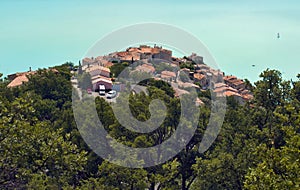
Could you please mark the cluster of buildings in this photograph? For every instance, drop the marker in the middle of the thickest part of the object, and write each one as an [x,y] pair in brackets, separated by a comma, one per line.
[200,77]
[141,53]
[132,54]
[204,75]
[232,86]
[99,70]
[222,85]
[100,75]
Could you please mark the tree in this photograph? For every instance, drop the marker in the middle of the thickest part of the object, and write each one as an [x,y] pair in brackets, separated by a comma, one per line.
[113,176]
[271,92]
[268,91]
[41,147]
[30,147]
[249,86]
[296,89]
[117,68]
[51,85]
[80,68]
[85,81]
[279,168]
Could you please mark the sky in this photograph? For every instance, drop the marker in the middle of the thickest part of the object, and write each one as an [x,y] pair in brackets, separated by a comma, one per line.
[238,34]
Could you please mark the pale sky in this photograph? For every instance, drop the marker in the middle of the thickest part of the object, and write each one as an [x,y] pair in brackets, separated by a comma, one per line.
[238,34]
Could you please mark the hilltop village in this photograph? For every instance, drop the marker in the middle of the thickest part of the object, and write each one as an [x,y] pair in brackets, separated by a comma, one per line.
[147,59]
[181,73]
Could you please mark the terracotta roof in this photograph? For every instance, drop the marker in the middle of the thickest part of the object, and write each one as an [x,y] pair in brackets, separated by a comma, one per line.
[99,58]
[145,68]
[101,79]
[237,81]
[87,60]
[19,80]
[199,76]
[199,102]
[245,91]
[106,63]
[225,88]
[53,70]
[230,93]
[179,92]
[247,97]
[185,69]
[122,53]
[134,49]
[227,78]
[97,67]
[168,73]
[130,57]
[187,85]
[146,50]
[21,77]
[220,85]
[173,64]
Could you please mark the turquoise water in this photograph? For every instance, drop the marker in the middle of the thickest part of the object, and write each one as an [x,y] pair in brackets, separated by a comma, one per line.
[45,33]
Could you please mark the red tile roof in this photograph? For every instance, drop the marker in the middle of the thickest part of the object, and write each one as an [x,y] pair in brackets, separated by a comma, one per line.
[19,80]
[97,67]
[230,93]
[146,68]
[220,85]
[199,102]
[199,76]
[107,80]
[87,60]
[187,85]
[180,92]
[247,97]
[237,82]
[228,78]
[122,53]
[225,88]
[168,73]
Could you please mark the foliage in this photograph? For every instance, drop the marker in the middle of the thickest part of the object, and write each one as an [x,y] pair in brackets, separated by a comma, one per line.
[117,68]
[188,65]
[41,148]
[85,81]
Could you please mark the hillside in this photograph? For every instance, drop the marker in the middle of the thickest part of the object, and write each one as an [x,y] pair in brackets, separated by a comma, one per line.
[41,147]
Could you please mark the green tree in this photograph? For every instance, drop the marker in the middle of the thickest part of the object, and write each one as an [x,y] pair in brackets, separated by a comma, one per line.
[80,72]
[268,91]
[117,68]
[85,81]
[30,147]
